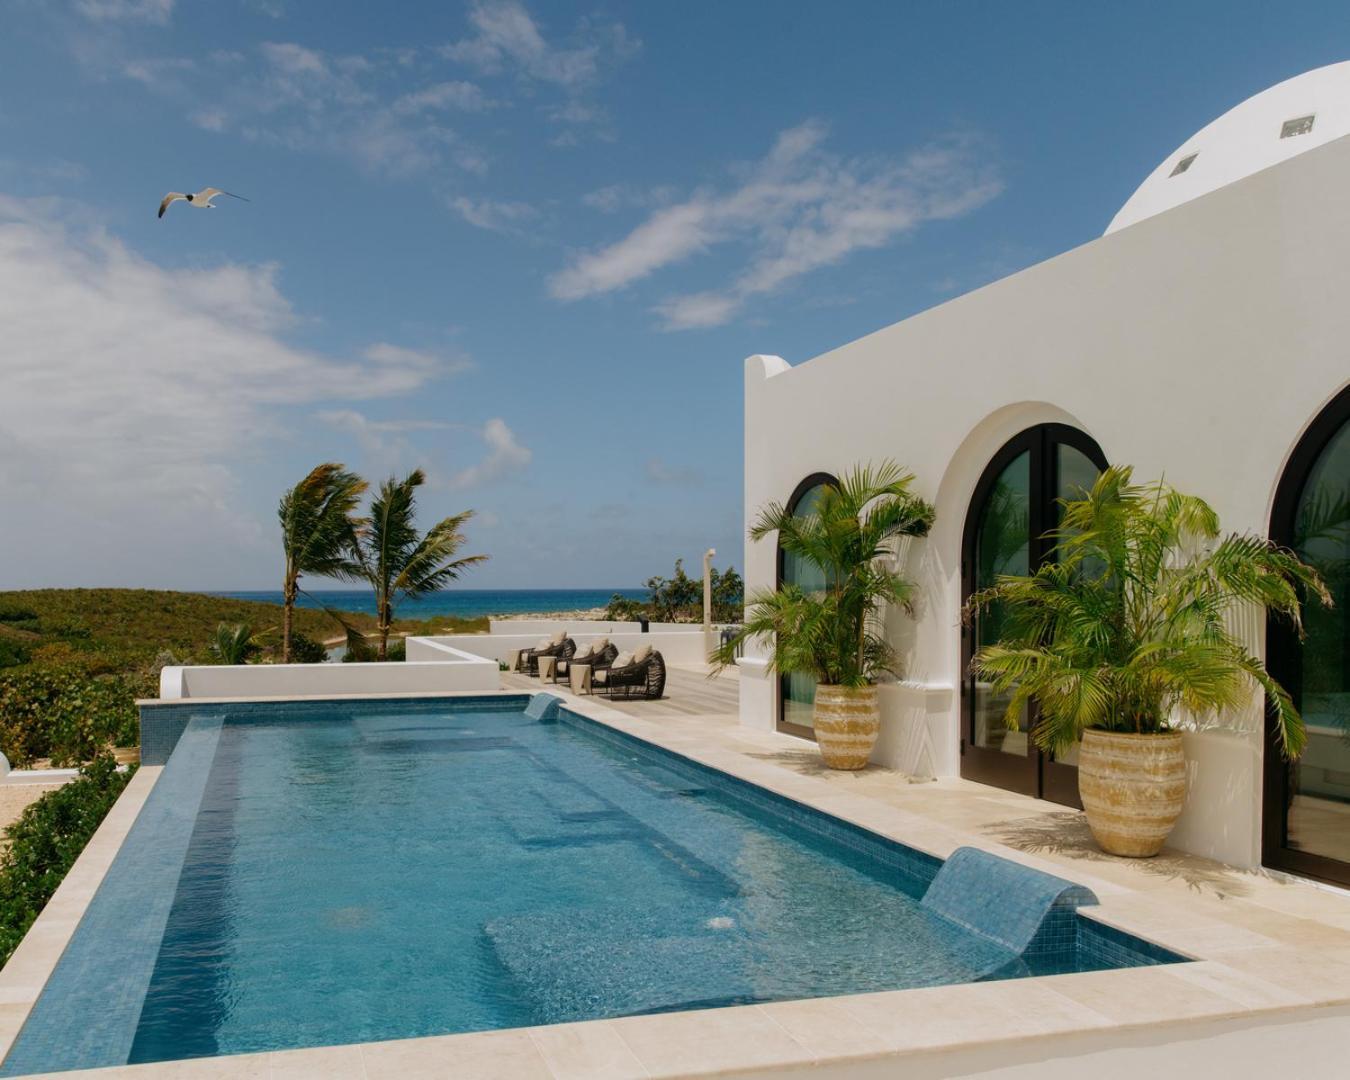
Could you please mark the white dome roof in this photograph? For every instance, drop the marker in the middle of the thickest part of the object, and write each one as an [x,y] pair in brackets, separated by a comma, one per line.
[1264,130]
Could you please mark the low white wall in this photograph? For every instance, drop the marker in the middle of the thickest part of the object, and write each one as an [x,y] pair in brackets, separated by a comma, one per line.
[436,670]
[548,627]
[685,646]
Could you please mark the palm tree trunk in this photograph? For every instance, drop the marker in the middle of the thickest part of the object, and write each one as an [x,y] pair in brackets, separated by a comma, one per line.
[386,617]
[288,609]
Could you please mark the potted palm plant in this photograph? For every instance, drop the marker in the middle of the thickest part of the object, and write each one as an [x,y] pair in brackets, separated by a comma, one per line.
[1126,625]
[832,633]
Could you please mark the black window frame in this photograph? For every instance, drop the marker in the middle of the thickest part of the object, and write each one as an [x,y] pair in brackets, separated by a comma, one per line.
[1284,657]
[1037,773]
[807,484]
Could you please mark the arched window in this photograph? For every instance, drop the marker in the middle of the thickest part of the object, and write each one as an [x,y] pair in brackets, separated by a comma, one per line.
[1013,507]
[1307,803]
[797,692]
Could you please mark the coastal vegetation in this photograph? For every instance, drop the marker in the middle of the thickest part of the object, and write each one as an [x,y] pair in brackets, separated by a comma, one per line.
[74,661]
[45,842]
[679,598]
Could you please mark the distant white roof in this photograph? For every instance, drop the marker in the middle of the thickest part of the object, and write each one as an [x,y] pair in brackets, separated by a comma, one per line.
[1274,125]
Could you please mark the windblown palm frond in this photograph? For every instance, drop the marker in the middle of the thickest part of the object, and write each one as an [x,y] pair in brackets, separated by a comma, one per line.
[318,533]
[233,643]
[1131,620]
[847,535]
[397,560]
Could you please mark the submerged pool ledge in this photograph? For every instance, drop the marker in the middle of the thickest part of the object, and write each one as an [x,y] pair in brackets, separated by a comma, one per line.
[1083,1012]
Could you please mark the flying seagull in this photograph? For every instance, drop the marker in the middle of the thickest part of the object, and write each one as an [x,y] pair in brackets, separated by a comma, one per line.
[202,198]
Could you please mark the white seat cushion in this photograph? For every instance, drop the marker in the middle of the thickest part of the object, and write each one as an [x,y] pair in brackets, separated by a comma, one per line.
[558,638]
[623,659]
[642,654]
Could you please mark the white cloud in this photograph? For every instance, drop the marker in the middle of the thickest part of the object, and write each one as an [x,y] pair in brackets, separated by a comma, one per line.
[134,394]
[658,472]
[464,96]
[497,215]
[614,197]
[505,456]
[505,35]
[384,442]
[156,12]
[798,209]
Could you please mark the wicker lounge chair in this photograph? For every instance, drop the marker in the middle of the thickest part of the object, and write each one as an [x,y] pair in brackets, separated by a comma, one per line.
[600,663]
[645,678]
[529,659]
[589,653]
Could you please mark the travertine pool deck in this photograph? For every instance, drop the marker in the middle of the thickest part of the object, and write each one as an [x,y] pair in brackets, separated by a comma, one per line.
[1272,973]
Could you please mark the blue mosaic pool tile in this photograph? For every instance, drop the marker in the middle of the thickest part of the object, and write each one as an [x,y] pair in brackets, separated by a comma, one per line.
[1023,909]
[105,971]
[918,868]
[1101,946]
[543,706]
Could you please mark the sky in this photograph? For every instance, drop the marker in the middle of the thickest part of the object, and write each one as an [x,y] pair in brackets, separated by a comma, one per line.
[523,246]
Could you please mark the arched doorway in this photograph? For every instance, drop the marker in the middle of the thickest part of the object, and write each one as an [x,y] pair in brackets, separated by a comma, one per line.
[797,692]
[1306,810]
[1013,507]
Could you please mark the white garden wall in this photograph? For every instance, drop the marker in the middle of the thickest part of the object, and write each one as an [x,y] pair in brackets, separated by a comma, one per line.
[440,669]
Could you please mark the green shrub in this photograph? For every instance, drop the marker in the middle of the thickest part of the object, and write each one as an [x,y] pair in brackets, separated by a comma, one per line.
[63,712]
[45,842]
[305,650]
[12,653]
[17,614]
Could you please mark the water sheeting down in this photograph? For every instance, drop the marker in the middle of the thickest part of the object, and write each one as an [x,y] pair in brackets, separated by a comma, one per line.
[1024,910]
[543,706]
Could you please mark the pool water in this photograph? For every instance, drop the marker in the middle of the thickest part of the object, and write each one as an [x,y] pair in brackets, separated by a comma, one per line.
[384,871]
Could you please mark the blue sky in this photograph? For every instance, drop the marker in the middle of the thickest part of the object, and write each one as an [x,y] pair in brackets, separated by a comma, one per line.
[526,247]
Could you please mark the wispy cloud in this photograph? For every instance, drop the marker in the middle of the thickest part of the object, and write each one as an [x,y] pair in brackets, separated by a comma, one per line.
[385,443]
[156,12]
[505,456]
[144,408]
[497,215]
[459,95]
[796,210]
[659,472]
[506,39]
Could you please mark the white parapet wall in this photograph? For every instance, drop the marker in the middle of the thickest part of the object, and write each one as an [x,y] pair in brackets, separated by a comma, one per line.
[436,669]
[580,628]
[686,646]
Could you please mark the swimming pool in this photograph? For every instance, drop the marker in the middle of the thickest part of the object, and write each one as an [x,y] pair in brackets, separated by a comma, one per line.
[321,873]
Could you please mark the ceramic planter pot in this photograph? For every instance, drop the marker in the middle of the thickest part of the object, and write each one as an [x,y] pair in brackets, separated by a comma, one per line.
[847,722]
[1133,788]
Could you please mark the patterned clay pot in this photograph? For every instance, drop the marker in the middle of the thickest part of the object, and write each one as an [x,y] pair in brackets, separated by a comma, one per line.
[847,722]
[1133,788]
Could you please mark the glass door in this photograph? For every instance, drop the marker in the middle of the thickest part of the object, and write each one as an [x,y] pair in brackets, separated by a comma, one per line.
[1015,505]
[1307,802]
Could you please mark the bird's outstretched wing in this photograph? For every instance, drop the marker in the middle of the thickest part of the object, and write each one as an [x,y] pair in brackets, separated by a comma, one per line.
[171,197]
[210,193]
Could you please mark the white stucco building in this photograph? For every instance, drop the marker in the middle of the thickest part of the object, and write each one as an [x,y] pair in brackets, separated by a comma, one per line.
[1205,337]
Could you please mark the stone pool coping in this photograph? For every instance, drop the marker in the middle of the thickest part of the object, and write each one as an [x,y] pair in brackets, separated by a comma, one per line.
[1255,966]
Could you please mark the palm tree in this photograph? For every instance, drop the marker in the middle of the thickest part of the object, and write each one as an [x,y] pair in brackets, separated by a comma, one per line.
[830,633]
[397,561]
[1128,621]
[317,534]
[233,644]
